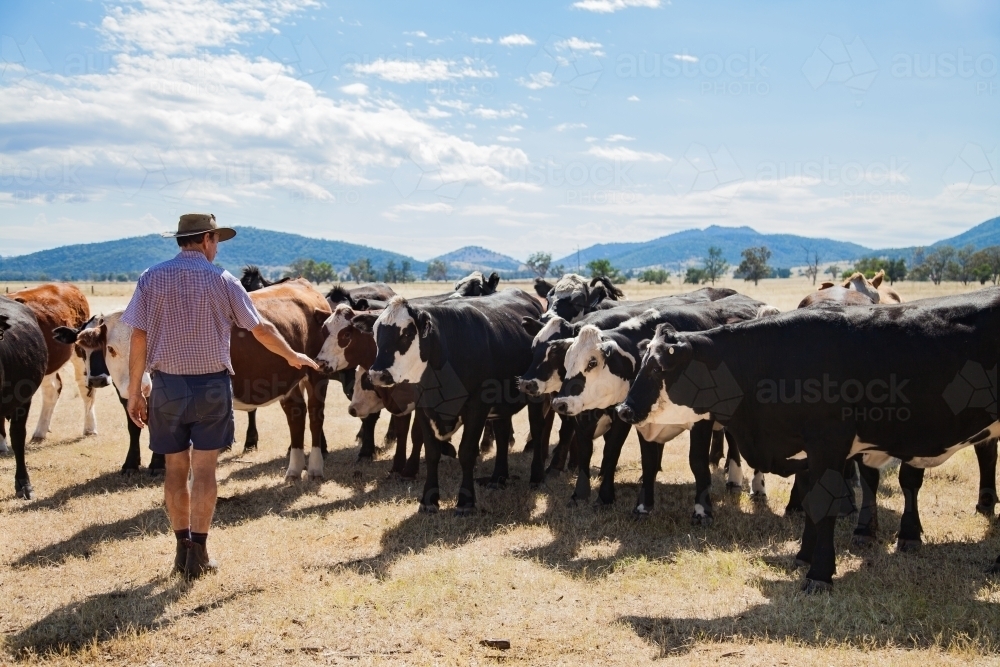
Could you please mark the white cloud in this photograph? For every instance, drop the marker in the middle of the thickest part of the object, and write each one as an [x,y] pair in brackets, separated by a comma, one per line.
[358,89]
[411,71]
[506,139]
[623,154]
[436,207]
[491,114]
[481,40]
[577,44]
[683,57]
[516,39]
[632,98]
[562,127]
[515,128]
[500,210]
[619,137]
[611,6]
[537,81]
[416,33]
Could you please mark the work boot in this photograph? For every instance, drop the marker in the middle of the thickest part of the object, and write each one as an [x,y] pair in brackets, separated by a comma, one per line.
[180,560]
[198,562]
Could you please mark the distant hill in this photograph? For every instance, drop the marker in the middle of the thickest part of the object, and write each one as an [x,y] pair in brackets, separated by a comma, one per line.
[476,258]
[272,251]
[787,250]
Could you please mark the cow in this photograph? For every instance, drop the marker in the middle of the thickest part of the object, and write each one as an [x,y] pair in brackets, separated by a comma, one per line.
[103,346]
[573,296]
[361,297]
[465,356]
[56,305]
[24,359]
[252,279]
[475,284]
[600,367]
[808,389]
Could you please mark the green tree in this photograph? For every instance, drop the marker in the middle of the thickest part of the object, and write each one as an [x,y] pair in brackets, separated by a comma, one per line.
[405,275]
[715,265]
[557,271]
[603,267]
[539,263]
[658,276]
[754,265]
[391,274]
[361,271]
[437,270]
[833,270]
[695,276]
[964,266]
[812,266]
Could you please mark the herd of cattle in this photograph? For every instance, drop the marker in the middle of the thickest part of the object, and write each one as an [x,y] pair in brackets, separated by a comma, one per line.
[829,392]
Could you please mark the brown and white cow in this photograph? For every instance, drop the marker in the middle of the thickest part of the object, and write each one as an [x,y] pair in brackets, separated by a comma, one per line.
[57,305]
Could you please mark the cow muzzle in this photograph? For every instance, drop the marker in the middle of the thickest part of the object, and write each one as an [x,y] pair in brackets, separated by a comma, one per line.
[529,387]
[381,378]
[561,405]
[627,414]
[98,381]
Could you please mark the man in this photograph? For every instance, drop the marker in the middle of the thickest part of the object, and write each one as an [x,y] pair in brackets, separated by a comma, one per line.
[181,314]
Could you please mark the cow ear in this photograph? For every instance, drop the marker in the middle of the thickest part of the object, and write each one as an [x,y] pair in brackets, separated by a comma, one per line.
[493,281]
[320,316]
[597,294]
[364,322]
[361,304]
[424,325]
[4,323]
[19,299]
[65,335]
[826,285]
[643,346]
[543,287]
[877,280]
[531,325]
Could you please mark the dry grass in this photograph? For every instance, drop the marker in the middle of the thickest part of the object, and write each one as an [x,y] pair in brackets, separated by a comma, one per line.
[347,572]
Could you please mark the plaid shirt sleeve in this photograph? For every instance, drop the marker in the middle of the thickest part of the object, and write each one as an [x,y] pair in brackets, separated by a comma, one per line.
[243,313]
[136,313]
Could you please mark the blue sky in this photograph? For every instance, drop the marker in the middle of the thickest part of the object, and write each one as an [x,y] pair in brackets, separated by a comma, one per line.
[422,127]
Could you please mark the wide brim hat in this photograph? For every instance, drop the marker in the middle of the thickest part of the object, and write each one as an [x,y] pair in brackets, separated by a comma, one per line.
[199,223]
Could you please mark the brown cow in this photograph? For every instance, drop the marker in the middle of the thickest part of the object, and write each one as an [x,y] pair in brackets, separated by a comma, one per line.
[854,291]
[298,311]
[57,305]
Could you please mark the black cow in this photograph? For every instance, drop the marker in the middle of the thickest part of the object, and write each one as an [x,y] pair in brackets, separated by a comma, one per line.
[252,279]
[475,284]
[573,296]
[363,297]
[465,355]
[599,368]
[23,358]
[916,381]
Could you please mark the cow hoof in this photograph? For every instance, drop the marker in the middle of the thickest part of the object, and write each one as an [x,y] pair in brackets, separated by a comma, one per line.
[798,562]
[89,433]
[129,471]
[908,546]
[733,487]
[468,510]
[35,439]
[157,472]
[313,477]
[985,510]
[405,477]
[813,587]
[641,511]
[428,509]
[793,511]
[364,458]
[994,569]
[249,447]
[865,541]
[26,492]
[701,519]
[293,478]
[758,497]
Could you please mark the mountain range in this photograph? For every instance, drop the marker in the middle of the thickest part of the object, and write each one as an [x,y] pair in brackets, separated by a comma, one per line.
[275,251]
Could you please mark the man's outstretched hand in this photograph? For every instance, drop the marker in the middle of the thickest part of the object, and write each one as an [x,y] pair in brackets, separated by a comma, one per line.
[300,360]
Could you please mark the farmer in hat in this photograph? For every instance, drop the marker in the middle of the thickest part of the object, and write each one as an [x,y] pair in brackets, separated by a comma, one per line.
[181,316]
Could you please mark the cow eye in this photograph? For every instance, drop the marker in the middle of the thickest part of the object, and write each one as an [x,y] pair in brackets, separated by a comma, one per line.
[592,364]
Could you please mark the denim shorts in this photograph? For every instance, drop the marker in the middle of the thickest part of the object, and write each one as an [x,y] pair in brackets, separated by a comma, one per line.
[191,411]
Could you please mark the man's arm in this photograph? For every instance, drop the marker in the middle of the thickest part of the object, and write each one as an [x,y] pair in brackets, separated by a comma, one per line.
[137,409]
[269,336]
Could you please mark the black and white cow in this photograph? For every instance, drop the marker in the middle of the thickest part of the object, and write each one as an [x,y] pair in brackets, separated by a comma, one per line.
[104,345]
[573,296]
[465,356]
[807,389]
[475,284]
[23,360]
[600,367]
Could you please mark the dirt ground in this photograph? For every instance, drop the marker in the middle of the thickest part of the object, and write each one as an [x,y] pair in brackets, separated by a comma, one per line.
[347,572]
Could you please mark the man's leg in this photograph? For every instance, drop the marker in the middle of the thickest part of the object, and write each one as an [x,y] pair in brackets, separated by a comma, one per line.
[178,501]
[203,489]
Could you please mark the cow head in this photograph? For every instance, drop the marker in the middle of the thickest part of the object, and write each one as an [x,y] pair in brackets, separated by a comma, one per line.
[573,296]
[348,340]
[91,345]
[648,401]
[365,400]
[598,373]
[406,341]
[548,348]
[475,284]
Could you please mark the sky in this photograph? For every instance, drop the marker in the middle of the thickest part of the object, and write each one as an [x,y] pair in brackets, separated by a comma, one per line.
[521,127]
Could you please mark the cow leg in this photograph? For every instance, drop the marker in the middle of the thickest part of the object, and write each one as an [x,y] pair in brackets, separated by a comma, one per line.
[540,421]
[473,422]
[294,405]
[822,504]
[910,481]
[367,451]
[51,388]
[88,395]
[133,460]
[399,426]
[699,458]
[715,452]
[586,425]
[734,467]
[795,497]
[502,430]
[652,457]
[412,466]
[432,493]
[250,443]
[317,399]
[986,454]
[851,477]
[489,438]
[567,430]
[18,434]
[614,440]
[4,449]
[866,531]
